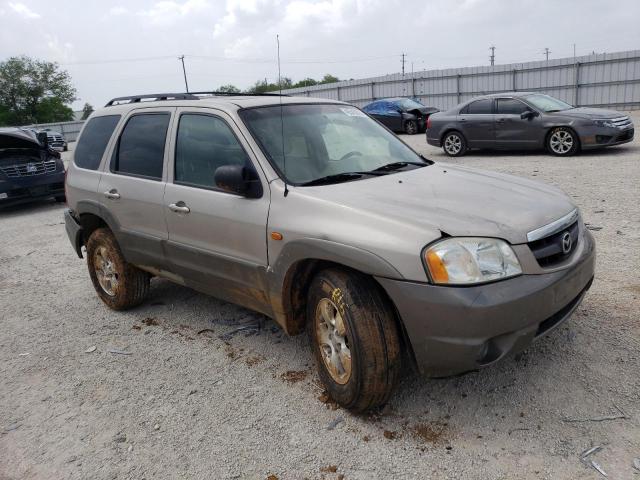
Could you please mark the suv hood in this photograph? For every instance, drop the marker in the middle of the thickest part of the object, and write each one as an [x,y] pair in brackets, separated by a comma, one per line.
[455,200]
[590,113]
[18,138]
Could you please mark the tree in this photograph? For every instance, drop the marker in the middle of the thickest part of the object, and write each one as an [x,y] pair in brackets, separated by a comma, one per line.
[34,91]
[229,89]
[328,78]
[86,111]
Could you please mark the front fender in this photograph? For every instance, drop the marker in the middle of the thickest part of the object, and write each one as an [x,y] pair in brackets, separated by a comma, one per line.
[280,275]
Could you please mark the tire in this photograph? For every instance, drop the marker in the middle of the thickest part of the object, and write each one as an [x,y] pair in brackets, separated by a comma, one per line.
[410,127]
[119,284]
[364,325]
[454,144]
[562,142]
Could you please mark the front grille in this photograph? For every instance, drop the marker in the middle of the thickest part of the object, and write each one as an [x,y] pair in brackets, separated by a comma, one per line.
[621,122]
[29,169]
[549,251]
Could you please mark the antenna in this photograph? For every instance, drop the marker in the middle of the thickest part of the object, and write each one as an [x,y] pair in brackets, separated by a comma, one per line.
[284,156]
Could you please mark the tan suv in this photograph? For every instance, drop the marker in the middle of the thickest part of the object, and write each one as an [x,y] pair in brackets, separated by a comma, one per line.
[310,212]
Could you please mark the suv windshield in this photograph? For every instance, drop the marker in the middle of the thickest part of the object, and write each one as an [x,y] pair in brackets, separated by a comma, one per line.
[547,103]
[325,141]
[409,104]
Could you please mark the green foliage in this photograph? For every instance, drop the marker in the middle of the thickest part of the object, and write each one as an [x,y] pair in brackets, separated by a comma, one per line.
[264,86]
[34,91]
[229,89]
[86,111]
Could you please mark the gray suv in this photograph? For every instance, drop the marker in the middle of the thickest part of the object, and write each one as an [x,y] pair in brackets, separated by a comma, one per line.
[525,121]
[312,213]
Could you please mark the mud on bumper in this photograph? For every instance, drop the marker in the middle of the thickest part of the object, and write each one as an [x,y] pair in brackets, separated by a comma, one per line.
[457,329]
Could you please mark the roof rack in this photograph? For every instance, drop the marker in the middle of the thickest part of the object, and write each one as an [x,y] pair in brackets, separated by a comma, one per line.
[231,94]
[151,97]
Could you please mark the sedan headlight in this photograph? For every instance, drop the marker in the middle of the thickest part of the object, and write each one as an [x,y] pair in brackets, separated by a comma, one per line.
[604,123]
[465,261]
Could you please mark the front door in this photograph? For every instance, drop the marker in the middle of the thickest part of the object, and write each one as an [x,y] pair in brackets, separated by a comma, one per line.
[132,186]
[217,240]
[513,131]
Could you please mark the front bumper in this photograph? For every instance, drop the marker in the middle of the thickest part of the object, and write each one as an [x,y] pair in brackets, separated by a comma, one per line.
[37,186]
[74,231]
[457,329]
[596,137]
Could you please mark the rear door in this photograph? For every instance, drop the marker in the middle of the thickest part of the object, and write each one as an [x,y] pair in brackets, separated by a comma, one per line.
[476,122]
[132,185]
[512,131]
[217,240]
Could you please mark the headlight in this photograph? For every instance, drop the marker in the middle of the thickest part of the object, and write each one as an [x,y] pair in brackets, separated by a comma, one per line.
[604,123]
[464,261]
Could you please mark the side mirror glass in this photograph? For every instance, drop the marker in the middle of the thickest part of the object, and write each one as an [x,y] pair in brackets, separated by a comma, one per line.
[43,139]
[528,114]
[238,179]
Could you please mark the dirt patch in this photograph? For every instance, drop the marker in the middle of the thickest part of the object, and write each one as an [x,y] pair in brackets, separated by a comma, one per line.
[150,322]
[432,432]
[328,401]
[329,469]
[254,360]
[390,435]
[294,376]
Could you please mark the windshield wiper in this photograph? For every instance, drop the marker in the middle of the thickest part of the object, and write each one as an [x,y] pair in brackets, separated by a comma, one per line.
[338,178]
[397,166]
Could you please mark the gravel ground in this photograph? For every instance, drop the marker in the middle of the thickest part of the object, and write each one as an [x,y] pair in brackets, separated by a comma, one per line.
[187,403]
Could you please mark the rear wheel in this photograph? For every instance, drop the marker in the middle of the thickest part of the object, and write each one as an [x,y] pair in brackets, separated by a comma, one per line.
[410,127]
[454,144]
[354,338]
[563,142]
[118,283]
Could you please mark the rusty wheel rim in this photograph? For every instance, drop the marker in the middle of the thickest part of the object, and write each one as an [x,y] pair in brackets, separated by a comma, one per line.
[331,335]
[106,273]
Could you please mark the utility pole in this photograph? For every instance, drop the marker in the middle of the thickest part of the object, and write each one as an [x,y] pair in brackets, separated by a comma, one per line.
[574,53]
[184,71]
[547,52]
[403,60]
[493,54]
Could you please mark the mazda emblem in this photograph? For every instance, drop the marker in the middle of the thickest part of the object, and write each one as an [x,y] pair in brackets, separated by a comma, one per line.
[566,243]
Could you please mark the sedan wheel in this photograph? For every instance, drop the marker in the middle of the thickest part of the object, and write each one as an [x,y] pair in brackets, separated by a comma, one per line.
[562,142]
[454,144]
[411,127]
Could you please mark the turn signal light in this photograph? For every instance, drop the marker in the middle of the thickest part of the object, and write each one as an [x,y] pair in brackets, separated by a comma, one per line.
[436,267]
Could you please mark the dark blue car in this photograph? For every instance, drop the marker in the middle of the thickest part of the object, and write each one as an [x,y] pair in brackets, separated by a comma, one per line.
[28,167]
[400,114]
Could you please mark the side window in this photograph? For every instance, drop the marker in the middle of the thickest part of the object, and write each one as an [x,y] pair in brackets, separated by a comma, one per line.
[479,107]
[141,146]
[93,141]
[203,144]
[510,106]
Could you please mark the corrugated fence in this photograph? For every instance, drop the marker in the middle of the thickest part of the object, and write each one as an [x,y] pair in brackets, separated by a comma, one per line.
[601,80]
[69,130]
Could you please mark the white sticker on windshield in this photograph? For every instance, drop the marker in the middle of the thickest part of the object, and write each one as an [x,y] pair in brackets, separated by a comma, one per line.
[353,112]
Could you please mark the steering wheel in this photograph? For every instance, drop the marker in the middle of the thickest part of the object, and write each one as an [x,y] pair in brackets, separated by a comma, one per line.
[352,153]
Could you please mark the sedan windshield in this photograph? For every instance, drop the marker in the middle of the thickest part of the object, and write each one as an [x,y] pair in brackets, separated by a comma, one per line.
[408,104]
[547,103]
[310,143]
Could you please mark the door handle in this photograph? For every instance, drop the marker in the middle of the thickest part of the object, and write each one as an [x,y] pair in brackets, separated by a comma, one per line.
[463,119]
[112,194]
[179,207]
[501,120]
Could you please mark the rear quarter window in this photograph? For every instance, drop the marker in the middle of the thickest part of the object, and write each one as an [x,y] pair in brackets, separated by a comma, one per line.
[93,141]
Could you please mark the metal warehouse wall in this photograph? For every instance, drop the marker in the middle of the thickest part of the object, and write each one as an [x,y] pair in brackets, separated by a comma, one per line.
[603,80]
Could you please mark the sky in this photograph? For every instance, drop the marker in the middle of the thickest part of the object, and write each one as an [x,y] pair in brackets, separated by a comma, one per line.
[131,47]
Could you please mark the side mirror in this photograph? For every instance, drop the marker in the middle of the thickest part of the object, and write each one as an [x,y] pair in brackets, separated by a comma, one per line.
[43,139]
[528,114]
[238,179]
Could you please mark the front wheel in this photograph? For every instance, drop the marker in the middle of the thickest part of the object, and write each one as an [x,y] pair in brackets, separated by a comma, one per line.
[454,144]
[119,284]
[410,127]
[354,338]
[563,142]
